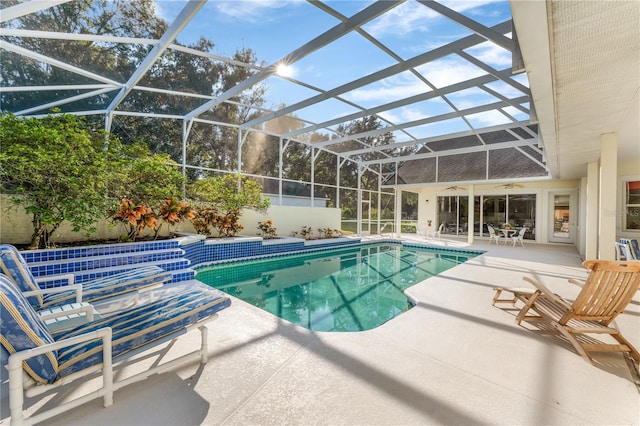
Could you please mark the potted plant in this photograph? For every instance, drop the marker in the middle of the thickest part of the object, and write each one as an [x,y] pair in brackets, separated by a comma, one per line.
[506,225]
[429,223]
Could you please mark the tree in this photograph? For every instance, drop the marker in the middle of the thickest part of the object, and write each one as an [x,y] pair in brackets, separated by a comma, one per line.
[57,169]
[116,61]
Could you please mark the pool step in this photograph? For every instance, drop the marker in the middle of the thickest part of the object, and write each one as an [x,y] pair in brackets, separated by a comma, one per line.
[89,263]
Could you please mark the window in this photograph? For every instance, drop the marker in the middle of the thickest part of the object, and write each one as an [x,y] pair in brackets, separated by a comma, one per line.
[632,206]
[518,209]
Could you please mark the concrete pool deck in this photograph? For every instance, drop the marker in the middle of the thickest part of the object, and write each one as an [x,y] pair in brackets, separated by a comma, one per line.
[453,359]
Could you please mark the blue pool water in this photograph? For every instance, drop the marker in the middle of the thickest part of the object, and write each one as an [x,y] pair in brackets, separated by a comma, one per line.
[348,289]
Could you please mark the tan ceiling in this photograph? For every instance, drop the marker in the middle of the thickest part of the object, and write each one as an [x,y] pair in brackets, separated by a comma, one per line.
[583,63]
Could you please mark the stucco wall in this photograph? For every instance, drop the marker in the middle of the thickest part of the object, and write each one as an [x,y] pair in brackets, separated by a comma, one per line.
[15,224]
[427,210]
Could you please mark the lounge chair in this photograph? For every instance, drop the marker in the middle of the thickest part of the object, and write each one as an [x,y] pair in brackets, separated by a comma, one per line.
[13,265]
[623,251]
[52,360]
[605,294]
[634,247]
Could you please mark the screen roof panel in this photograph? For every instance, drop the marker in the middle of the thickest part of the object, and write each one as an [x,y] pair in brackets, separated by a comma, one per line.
[429,71]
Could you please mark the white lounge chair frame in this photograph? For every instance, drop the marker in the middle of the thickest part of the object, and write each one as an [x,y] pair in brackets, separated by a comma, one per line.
[19,387]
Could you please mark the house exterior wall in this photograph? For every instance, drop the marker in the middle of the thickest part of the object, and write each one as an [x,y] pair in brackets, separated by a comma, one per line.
[542,190]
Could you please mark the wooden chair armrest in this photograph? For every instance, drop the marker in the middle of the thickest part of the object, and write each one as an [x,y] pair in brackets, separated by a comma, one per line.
[579,283]
[547,293]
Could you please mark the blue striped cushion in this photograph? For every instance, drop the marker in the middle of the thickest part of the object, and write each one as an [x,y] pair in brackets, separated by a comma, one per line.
[21,328]
[110,286]
[633,245]
[136,327]
[13,265]
[636,248]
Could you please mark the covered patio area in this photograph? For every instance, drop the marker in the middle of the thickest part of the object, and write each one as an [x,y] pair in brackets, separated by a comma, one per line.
[453,359]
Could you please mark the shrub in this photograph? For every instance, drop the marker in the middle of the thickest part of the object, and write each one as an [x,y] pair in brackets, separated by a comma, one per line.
[306,232]
[136,217]
[267,231]
[228,195]
[329,233]
[205,218]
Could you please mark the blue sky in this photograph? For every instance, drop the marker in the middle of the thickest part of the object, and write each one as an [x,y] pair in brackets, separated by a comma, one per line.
[273,28]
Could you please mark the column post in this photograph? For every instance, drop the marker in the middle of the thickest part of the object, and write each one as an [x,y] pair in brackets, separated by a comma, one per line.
[608,195]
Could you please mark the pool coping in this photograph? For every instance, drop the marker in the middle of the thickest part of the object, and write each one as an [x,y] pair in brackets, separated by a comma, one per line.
[340,243]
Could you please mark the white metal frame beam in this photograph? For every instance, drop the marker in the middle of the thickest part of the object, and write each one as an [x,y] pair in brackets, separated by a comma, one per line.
[360,18]
[421,59]
[186,14]
[22,9]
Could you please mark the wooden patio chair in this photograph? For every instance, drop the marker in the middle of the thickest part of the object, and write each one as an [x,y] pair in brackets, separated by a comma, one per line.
[605,294]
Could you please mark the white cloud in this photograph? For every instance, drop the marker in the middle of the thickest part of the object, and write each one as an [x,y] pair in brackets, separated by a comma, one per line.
[413,16]
[488,119]
[393,118]
[461,6]
[251,10]
[401,20]
[168,10]
[491,54]
[396,87]
[447,71]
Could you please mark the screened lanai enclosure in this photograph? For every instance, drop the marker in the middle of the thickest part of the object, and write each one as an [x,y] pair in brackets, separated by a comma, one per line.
[334,103]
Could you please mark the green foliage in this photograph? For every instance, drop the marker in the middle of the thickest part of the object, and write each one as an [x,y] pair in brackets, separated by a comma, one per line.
[329,233]
[206,217]
[306,232]
[136,217]
[145,181]
[57,169]
[229,194]
[229,224]
[116,61]
[267,231]
[145,177]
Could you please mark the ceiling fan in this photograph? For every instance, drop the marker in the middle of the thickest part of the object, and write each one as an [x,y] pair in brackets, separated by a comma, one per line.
[510,186]
[455,188]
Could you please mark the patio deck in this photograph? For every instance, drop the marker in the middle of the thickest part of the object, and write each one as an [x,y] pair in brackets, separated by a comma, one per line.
[453,359]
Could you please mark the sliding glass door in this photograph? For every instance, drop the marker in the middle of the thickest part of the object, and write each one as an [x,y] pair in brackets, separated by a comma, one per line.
[519,210]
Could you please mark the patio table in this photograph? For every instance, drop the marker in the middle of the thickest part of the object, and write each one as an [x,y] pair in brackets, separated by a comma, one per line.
[508,233]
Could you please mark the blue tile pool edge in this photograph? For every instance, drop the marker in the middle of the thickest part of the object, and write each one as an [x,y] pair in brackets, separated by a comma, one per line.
[336,245]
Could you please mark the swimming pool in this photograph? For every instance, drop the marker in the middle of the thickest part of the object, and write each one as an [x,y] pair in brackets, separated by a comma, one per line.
[348,289]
